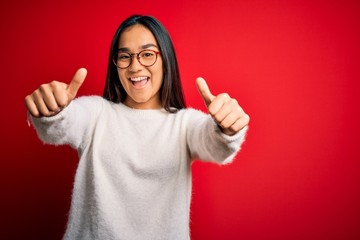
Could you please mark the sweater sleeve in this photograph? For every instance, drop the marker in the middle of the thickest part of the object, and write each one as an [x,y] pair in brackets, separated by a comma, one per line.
[72,126]
[207,142]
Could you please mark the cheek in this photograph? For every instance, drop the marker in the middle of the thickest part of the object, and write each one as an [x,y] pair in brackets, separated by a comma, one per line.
[160,76]
[160,72]
[121,74]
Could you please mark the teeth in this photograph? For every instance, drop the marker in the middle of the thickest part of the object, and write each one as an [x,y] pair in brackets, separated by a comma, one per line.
[137,79]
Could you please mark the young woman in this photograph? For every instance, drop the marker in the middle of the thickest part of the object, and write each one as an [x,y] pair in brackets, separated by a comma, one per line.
[137,142]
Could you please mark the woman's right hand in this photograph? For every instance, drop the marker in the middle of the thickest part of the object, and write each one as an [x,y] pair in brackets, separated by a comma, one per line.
[51,98]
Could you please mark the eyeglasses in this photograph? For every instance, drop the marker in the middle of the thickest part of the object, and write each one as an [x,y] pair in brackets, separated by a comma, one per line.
[146,58]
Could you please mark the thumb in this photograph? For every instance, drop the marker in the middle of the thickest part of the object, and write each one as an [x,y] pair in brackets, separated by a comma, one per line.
[204,91]
[76,82]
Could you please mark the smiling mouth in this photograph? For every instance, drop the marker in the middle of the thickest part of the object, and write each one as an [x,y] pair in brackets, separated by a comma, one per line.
[139,82]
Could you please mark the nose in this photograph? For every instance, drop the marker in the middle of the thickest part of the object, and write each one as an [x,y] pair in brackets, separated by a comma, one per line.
[135,65]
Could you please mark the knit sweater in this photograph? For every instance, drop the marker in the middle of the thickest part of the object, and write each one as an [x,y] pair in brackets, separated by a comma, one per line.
[133,179]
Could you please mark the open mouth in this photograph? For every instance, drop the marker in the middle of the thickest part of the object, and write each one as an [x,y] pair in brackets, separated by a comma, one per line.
[139,82]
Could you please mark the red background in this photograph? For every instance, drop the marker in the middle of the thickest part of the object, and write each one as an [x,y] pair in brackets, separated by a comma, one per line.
[292,65]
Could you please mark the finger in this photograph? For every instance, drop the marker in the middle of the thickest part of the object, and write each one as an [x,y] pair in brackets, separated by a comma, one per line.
[49,98]
[31,106]
[61,96]
[218,102]
[237,118]
[239,124]
[204,91]
[230,120]
[235,127]
[40,104]
[76,82]
[228,106]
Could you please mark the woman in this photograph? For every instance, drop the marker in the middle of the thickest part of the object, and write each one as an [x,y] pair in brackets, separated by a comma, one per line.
[137,142]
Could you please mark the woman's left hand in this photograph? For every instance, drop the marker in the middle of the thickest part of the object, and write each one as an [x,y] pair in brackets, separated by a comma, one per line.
[225,110]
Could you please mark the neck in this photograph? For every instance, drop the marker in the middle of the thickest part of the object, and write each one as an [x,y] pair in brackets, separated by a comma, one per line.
[150,104]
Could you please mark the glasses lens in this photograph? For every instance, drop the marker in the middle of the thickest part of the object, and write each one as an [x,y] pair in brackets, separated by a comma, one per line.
[147,58]
[122,60]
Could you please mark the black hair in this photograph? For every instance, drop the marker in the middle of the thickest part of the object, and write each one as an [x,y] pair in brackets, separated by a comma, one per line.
[171,92]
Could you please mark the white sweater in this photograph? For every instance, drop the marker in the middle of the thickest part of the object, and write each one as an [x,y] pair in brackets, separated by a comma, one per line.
[133,179]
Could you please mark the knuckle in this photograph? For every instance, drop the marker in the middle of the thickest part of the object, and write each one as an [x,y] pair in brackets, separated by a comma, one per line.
[43,87]
[234,102]
[54,84]
[216,118]
[234,129]
[52,107]
[46,114]
[28,99]
[35,114]
[36,93]
[29,102]
[225,125]
[46,111]
[62,101]
[211,111]
[225,95]
[230,127]
[247,118]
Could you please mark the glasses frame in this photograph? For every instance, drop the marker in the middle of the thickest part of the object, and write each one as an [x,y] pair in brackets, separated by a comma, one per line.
[137,55]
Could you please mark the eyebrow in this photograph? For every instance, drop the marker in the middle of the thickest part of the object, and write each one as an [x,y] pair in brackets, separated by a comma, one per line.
[125,49]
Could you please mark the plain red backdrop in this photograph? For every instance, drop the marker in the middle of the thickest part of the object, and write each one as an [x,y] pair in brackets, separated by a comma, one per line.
[292,65]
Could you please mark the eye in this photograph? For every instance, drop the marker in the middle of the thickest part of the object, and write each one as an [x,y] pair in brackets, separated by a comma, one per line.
[147,54]
[123,56]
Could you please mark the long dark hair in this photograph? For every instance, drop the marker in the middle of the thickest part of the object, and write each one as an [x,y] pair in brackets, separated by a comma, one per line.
[171,92]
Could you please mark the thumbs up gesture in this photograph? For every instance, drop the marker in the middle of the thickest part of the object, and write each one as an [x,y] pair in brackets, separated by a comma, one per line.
[51,98]
[225,110]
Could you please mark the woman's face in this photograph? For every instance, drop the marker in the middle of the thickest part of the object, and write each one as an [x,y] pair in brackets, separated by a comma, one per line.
[142,84]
